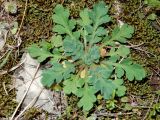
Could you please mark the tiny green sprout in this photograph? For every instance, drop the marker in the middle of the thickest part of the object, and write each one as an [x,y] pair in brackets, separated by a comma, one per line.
[14,28]
[10,7]
[85,57]
[152,16]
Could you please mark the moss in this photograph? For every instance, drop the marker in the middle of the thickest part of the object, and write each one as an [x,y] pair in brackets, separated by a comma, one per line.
[7,92]
[37,23]
[32,113]
[7,102]
[149,57]
[144,32]
[72,111]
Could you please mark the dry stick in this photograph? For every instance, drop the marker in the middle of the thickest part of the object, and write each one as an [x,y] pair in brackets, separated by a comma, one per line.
[12,118]
[24,13]
[136,47]
[5,39]
[4,54]
[132,45]
[158,22]
[113,114]
[146,52]
[4,86]
[29,105]
[156,72]
[13,68]
[5,59]
[53,103]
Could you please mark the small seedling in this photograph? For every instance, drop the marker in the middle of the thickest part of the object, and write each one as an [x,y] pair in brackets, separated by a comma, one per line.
[10,7]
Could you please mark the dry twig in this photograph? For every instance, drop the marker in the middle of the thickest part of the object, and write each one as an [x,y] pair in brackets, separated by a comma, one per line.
[24,13]
[29,105]
[13,68]
[13,115]
[4,86]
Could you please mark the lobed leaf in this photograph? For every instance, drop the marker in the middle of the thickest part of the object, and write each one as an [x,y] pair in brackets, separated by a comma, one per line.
[57,73]
[100,80]
[122,33]
[122,51]
[56,41]
[92,56]
[73,48]
[132,71]
[99,14]
[61,17]
[120,89]
[40,53]
[88,97]
[72,84]
[85,20]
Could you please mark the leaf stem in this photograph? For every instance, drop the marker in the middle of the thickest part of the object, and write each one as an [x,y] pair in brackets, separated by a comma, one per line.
[93,35]
[85,40]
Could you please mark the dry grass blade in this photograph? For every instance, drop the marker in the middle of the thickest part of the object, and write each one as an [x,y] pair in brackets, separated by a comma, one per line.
[29,105]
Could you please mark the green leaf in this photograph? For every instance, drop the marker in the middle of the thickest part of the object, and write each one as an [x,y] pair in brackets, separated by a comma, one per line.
[101,31]
[121,34]
[72,85]
[99,14]
[125,99]
[122,51]
[57,73]
[88,97]
[61,17]
[128,107]
[45,45]
[73,48]
[15,28]
[120,89]
[152,16]
[132,71]
[39,53]
[118,82]
[114,58]
[56,41]
[100,80]
[57,55]
[119,72]
[85,20]
[92,56]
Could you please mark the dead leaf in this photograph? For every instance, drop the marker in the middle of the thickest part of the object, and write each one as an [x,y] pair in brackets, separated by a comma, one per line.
[83,73]
[103,52]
